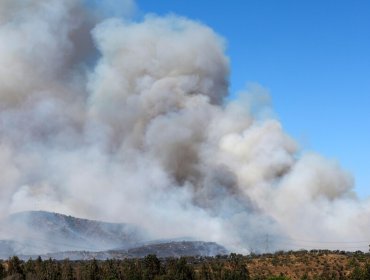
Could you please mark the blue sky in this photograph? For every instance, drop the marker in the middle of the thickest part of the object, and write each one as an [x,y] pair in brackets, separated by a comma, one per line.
[312,55]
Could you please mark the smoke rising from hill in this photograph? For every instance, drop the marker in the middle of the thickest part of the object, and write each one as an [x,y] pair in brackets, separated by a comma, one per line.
[126,121]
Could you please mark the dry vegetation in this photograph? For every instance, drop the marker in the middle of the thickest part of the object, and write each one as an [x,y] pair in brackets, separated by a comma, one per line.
[315,264]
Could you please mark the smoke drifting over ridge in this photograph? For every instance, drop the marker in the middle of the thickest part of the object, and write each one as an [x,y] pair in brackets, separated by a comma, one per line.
[126,121]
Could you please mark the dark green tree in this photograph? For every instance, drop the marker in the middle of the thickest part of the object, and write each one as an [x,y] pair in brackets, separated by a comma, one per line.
[151,267]
[237,268]
[15,266]
[93,270]
[29,269]
[218,268]
[205,272]
[131,270]
[111,270]
[52,270]
[178,269]
[2,271]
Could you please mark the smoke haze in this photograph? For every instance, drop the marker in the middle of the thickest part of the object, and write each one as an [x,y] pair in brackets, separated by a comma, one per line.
[125,121]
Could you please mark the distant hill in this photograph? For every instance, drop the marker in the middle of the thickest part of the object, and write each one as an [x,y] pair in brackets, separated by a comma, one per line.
[162,250]
[43,232]
[58,236]
[178,249]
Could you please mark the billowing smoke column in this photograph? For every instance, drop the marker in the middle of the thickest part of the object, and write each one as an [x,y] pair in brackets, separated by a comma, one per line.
[126,121]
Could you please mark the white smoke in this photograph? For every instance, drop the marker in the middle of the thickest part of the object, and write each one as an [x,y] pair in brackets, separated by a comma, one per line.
[127,121]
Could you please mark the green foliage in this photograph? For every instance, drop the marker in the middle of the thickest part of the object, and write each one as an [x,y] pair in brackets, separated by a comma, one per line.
[357,274]
[151,267]
[131,269]
[110,270]
[232,267]
[2,271]
[205,272]
[305,277]
[353,262]
[15,266]
[366,272]
[238,270]
[178,269]
[92,270]
[280,277]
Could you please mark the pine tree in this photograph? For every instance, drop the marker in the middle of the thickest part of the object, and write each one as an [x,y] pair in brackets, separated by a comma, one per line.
[151,267]
[2,271]
[14,266]
[67,270]
[93,270]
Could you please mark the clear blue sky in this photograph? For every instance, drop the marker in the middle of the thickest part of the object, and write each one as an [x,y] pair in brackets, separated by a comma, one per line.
[313,56]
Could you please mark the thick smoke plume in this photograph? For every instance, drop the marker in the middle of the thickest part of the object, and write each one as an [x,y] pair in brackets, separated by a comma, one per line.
[127,121]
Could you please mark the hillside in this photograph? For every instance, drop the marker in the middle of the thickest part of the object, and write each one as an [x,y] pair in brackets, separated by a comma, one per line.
[39,232]
[162,250]
[58,236]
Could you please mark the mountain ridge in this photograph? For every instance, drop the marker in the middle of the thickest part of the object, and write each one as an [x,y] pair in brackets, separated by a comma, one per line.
[60,236]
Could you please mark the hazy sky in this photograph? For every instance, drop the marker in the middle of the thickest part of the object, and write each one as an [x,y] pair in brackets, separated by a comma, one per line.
[313,56]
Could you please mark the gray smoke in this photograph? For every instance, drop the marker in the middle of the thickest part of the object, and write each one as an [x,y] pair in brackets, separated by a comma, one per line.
[126,121]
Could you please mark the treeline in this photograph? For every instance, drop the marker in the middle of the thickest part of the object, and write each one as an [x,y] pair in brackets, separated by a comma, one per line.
[231,267]
[149,268]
